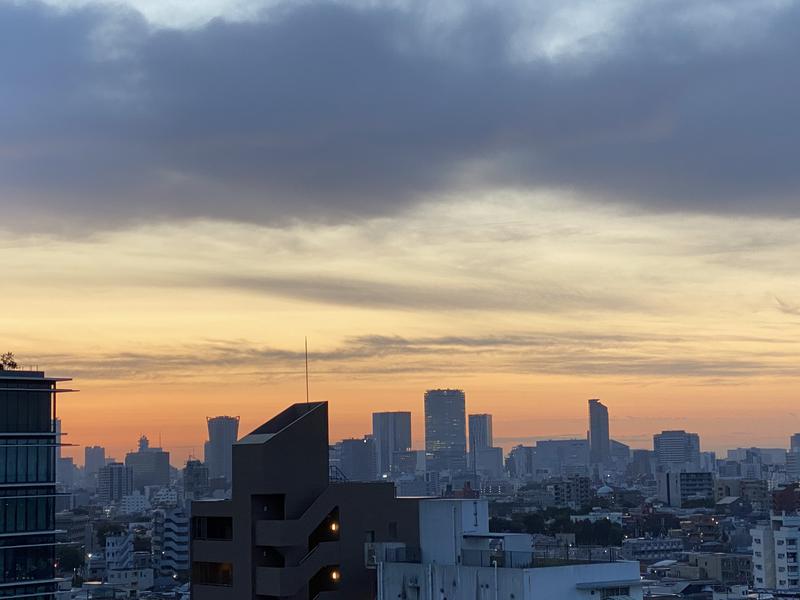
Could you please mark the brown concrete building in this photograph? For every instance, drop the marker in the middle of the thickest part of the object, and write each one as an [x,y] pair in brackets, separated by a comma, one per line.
[288,531]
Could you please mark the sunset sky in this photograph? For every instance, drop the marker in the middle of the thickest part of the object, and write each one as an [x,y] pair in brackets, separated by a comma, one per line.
[536,205]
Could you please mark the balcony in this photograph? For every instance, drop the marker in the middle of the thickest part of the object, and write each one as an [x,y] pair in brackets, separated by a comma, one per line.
[287,581]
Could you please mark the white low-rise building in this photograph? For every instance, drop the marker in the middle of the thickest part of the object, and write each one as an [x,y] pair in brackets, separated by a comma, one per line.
[460,559]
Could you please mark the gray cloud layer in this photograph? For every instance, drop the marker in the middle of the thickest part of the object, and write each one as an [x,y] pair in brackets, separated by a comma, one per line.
[545,353]
[327,111]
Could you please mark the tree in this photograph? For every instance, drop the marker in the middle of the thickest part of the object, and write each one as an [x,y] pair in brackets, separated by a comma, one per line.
[7,361]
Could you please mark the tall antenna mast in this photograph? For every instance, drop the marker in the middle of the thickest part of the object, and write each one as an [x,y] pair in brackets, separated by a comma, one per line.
[306,341]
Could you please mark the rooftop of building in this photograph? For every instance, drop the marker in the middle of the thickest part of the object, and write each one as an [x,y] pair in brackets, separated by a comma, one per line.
[25,374]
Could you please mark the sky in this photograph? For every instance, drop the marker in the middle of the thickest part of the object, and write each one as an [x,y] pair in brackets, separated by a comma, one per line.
[537,203]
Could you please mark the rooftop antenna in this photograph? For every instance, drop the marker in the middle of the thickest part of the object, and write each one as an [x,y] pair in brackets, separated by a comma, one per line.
[306,343]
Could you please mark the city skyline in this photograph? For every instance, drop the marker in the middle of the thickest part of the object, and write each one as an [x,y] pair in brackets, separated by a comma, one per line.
[645,441]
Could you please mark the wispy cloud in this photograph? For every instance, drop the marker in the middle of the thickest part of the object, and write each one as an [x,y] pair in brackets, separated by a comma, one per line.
[786,308]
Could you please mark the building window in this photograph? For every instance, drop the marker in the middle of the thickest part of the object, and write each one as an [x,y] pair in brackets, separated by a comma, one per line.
[614,592]
[210,573]
[212,528]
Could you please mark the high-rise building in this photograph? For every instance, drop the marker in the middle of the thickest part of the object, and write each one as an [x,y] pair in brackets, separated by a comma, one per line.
[392,434]
[445,430]
[288,531]
[114,482]
[150,465]
[677,450]
[680,488]
[599,440]
[480,435]
[94,457]
[794,442]
[357,458]
[223,432]
[28,483]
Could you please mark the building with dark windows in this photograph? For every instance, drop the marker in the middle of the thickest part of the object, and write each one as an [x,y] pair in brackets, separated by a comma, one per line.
[599,440]
[223,432]
[114,482]
[392,434]
[150,465]
[289,529]
[28,484]
[445,430]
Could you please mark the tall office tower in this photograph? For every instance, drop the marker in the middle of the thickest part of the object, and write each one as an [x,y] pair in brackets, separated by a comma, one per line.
[150,465]
[223,432]
[28,483]
[445,430]
[677,450]
[357,458]
[288,531]
[392,434]
[794,442]
[480,437]
[114,482]
[94,457]
[599,441]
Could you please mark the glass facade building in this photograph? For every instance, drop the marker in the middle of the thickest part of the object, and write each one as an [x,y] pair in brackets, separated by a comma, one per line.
[28,442]
[445,430]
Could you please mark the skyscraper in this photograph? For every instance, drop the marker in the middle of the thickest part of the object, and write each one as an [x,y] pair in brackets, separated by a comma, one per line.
[150,465]
[114,482]
[677,450]
[357,458]
[445,430]
[222,434]
[794,442]
[94,457]
[480,436]
[392,434]
[599,441]
[27,483]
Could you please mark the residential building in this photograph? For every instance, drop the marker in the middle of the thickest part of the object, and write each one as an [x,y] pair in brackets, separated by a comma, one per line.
[223,431]
[460,559]
[170,541]
[75,529]
[150,465]
[392,434]
[114,481]
[754,491]
[573,492]
[195,480]
[126,568]
[775,553]
[680,489]
[28,483]
[134,503]
[650,550]
[677,450]
[599,440]
[288,530]
[445,430]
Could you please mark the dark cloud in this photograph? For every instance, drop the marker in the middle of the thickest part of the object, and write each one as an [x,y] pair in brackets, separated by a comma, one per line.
[326,111]
[568,353]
